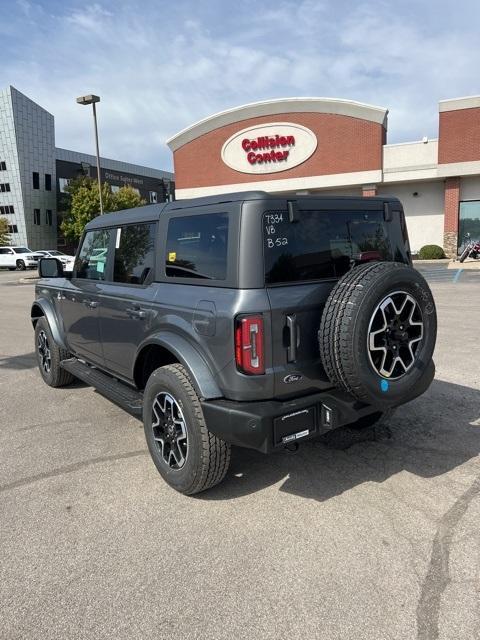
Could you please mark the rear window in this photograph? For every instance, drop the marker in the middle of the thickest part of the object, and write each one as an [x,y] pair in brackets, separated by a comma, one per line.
[197,246]
[321,244]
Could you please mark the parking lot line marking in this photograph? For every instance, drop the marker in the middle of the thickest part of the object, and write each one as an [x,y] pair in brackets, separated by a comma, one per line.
[457,276]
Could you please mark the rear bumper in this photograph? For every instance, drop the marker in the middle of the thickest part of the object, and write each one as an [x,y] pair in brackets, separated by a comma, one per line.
[270,424]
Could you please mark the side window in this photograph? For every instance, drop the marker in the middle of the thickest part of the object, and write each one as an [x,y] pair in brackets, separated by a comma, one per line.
[92,259]
[134,253]
[197,246]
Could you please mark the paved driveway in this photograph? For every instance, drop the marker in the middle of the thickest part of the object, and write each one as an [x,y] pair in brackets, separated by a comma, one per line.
[376,541]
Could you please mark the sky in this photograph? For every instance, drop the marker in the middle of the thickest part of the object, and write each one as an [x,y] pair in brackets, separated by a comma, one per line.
[161,66]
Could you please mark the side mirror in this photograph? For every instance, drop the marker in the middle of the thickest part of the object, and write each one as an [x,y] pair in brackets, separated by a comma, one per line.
[50,268]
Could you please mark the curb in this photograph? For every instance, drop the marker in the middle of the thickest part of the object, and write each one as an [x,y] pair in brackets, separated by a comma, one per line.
[470,266]
[439,261]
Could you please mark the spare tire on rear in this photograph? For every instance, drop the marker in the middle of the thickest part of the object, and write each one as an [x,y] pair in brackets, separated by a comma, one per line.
[377,334]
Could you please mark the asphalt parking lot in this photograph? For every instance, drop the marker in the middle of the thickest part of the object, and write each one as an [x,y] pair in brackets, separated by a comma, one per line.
[376,541]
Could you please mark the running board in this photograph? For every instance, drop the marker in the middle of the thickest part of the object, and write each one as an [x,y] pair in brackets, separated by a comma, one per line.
[118,392]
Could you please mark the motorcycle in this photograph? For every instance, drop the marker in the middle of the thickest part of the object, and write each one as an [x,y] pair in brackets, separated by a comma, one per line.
[471,250]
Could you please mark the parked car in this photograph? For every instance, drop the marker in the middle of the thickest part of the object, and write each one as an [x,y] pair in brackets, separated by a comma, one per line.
[19,258]
[67,261]
[241,319]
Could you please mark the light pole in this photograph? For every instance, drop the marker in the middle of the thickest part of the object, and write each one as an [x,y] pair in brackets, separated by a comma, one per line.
[93,100]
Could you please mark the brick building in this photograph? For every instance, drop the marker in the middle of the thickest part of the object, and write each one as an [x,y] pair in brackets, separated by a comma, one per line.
[319,145]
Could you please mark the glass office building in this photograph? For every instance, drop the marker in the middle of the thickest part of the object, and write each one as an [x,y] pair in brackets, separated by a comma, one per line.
[34,173]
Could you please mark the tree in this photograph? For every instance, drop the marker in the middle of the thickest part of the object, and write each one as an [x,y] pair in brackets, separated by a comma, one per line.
[4,235]
[84,204]
[127,198]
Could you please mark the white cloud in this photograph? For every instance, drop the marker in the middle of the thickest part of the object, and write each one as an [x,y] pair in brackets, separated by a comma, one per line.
[159,66]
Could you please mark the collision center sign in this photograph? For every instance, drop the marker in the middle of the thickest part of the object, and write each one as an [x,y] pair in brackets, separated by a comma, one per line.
[269,148]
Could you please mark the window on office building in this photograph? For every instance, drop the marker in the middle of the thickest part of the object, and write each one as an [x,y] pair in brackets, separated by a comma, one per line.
[36,180]
[48,217]
[12,228]
[62,184]
[48,182]
[5,186]
[5,210]
[3,166]
[36,216]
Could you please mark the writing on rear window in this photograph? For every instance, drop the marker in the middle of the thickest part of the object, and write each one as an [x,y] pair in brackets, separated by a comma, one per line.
[321,244]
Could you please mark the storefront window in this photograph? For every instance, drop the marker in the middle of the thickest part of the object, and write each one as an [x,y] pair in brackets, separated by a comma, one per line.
[469,222]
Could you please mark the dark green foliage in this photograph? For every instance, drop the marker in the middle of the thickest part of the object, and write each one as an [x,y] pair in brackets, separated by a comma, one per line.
[431,252]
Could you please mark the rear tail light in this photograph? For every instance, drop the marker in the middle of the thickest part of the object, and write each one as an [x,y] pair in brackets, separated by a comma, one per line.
[249,342]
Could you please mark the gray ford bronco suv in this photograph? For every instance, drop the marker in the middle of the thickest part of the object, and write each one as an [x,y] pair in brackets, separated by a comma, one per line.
[242,319]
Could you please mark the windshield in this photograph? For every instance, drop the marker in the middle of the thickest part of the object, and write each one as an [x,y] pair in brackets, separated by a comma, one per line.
[321,244]
[55,253]
[21,250]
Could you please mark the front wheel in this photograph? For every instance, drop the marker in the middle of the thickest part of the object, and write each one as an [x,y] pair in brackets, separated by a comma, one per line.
[188,457]
[21,265]
[49,355]
[464,255]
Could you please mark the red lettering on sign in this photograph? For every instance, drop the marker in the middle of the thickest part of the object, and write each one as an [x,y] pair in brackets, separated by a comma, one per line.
[265,142]
[268,156]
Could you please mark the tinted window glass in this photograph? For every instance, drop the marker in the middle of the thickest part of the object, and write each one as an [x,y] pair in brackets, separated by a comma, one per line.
[92,259]
[48,182]
[321,244]
[134,253]
[21,250]
[36,180]
[197,246]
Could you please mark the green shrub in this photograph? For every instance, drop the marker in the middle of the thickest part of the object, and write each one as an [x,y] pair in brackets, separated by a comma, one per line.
[431,252]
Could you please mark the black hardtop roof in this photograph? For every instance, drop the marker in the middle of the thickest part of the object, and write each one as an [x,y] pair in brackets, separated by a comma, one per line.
[153,211]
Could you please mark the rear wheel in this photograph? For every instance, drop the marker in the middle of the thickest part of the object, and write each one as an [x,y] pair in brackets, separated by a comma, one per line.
[49,356]
[188,457]
[21,265]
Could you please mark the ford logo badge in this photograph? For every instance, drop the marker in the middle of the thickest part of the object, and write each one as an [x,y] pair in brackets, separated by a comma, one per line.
[292,377]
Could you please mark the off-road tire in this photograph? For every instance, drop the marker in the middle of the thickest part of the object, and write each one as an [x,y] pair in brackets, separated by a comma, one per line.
[208,457]
[344,329]
[21,265]
[56,376]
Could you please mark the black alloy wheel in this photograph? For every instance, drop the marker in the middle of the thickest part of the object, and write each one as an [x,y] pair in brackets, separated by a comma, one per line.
[394,333]
[169,430]
[44,353]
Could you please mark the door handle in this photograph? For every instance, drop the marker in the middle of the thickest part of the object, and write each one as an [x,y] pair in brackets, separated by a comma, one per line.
[136,312]
[294,338]
[91,304]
